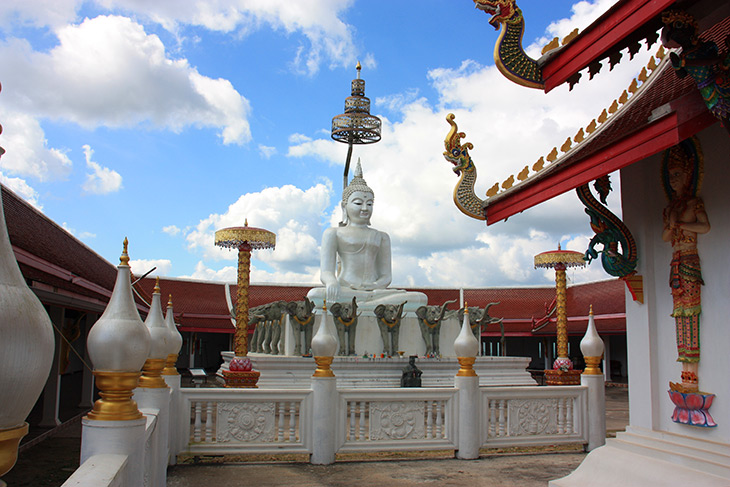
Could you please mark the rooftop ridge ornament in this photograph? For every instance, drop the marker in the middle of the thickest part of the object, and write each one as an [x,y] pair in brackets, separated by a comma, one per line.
[355,126]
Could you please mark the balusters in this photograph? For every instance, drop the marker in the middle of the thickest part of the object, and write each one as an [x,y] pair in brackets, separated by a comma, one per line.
[353,411]
[569,416]
[209,422]
[439,420]
[561,417]
[502,418]
[362,420]
[197,423]
[492,418]
[429,419]
[292,421]
[280,427]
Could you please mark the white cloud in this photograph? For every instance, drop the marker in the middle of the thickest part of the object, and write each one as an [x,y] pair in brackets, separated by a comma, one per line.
[266,152]
[80,236]
[140,266]
[230,274]
[295,216]
[171,230]
[101,180]
[39,13]
[27,151]
[22,189]
[107,71]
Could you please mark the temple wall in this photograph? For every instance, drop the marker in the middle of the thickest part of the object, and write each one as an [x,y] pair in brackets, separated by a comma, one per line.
[651,340]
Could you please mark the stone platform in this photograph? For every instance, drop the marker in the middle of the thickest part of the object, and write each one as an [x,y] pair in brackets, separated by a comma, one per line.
[285,372]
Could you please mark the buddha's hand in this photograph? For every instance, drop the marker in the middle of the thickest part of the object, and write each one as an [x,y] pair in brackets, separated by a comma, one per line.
[333,292]
[365,286]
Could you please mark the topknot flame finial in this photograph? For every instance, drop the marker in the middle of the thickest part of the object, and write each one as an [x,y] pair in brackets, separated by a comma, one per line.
[156,289]
[124,259]
[169,301]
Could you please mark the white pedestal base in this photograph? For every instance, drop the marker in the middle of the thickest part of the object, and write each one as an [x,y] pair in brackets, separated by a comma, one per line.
[281,372]
[642,457]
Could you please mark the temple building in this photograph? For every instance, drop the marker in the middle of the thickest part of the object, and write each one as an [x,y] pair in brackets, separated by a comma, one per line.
[667,134]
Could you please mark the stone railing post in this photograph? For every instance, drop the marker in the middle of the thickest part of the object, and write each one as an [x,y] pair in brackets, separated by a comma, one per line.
[324,391]
[592,348]
[467,382]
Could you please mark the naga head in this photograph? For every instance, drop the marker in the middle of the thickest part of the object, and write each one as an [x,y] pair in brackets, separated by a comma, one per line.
[502,10]
[456,153]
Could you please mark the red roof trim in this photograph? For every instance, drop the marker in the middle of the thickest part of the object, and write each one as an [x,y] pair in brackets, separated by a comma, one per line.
[686,120]
[603,34]
[196,329]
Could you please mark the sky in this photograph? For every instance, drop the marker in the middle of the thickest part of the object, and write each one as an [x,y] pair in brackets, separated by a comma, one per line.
[164,121]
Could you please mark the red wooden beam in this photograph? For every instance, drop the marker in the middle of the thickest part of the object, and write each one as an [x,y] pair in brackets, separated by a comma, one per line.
[660,135]
[594,43]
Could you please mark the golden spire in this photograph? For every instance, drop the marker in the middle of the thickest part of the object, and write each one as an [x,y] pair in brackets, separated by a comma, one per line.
[358,67]
[590,312]
[169,301]
[156,289]
[124,259]
[245,222]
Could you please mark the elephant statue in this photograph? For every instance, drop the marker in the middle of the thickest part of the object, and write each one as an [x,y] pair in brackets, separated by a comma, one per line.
[346,316]
[429,320]
[479,318]
[301,317]
[274,313]
[256,319]
[389,317]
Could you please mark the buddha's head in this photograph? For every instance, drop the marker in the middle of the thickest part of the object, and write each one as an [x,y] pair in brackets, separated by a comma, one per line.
[357,199]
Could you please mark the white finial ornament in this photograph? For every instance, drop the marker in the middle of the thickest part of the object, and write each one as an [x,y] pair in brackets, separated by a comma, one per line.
[175,342]
[159,345]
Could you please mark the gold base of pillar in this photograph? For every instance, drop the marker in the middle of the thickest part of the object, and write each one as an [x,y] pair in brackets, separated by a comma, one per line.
[9,442]
[562,377]
[592,364]
[323,367]
[152,374]
[466,367]
[240,378]
[170,368]
[115,389]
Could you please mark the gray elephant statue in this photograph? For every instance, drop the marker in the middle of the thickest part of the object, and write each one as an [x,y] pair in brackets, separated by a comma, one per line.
[346,316]
[301,317]
[389,317]
[256,319]
[429,320]
[479,318]
[274,312]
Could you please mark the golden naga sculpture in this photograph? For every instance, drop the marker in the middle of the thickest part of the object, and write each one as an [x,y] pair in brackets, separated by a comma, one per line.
[509,55]
[458,154]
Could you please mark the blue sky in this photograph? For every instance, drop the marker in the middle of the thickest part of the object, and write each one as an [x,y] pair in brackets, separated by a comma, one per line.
[164,121]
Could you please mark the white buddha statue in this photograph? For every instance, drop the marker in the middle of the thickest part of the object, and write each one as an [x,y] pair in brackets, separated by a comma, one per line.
[363,254]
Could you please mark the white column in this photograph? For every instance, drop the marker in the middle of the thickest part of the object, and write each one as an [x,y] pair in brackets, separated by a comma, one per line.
[607,359]
[117,437]
[325,402]
[175,439]
[52,390]
[469,430]
[596,410]
[157,399]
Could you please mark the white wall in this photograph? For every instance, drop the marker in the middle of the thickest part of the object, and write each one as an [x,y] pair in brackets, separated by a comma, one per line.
[650,328]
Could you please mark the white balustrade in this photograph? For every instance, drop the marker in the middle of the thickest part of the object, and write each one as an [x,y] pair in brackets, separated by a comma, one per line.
[396,419]
[525,416]
[224,421]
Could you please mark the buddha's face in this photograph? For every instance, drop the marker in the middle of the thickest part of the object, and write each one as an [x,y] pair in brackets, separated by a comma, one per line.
[359,207]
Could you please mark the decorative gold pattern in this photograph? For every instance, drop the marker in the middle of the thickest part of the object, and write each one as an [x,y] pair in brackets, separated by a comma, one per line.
[170,368]
[115,389]
[554,44]
[234,237]
[567,39]
[466,364]
[323,367]
[124,259]
[592,364]
[9,442]
[580,136]
[151,374]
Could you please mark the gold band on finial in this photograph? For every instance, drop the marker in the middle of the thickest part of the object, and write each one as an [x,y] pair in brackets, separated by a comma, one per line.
[169,301]
[590,312]
[124,259]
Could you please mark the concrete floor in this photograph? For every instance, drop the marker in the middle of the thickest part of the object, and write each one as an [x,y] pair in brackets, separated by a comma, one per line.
[51,462]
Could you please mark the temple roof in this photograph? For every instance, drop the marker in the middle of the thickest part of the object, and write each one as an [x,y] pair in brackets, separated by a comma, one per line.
[663,111]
